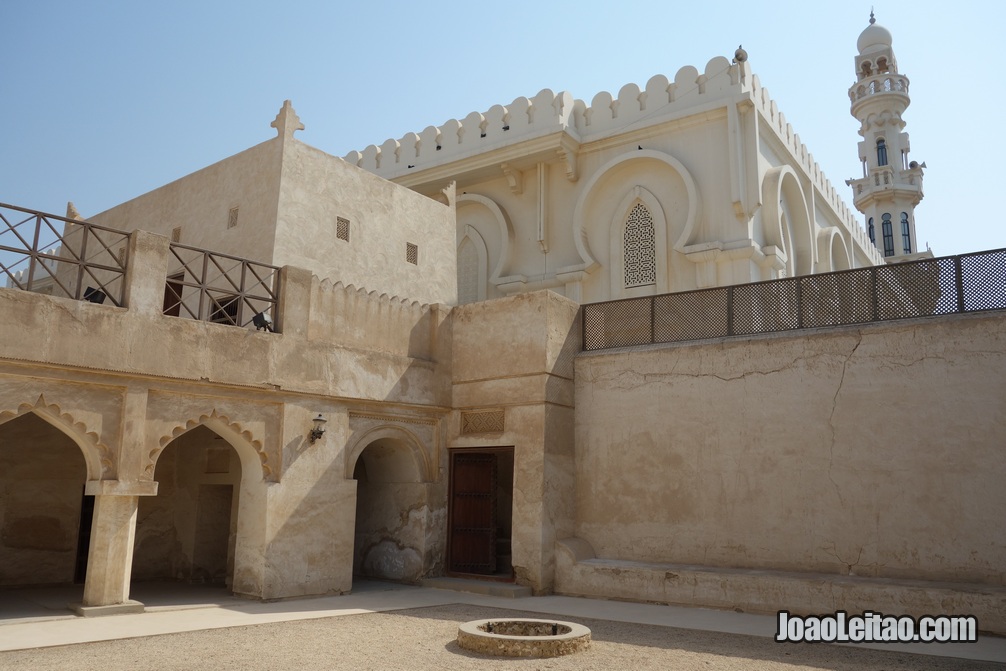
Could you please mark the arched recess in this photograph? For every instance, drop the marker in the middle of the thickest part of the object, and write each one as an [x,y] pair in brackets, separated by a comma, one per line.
[45,518]
[97,457]
[833,253]
[787,221]
[207,522]
[393,513]
[421,459]
[254,458]
[588,262]
[638,197]
[473,259]
[503,226]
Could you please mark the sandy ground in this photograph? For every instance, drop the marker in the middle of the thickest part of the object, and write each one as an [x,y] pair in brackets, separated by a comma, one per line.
[423,638]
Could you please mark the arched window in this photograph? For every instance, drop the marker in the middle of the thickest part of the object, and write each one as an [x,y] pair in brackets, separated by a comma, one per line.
[881,152]
[888,235]
[640,250]
[906,234]
[468,272]
[873,233]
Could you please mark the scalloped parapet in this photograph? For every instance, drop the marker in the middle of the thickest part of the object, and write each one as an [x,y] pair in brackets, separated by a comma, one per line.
[368,320]
[784,131]
[549,112]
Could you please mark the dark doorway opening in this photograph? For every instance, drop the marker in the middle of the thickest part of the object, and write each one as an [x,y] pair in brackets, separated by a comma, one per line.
[83,538]
[480,515]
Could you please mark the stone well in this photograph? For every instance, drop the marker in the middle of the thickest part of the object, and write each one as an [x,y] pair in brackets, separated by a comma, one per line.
[523,637]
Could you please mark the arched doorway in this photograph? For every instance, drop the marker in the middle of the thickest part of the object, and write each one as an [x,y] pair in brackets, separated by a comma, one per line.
[187,532]
[44,522]
[392,512]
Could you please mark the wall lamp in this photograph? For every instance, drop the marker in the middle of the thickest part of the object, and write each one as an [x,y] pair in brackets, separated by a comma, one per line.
[262,322]
[319,428]
[92,295]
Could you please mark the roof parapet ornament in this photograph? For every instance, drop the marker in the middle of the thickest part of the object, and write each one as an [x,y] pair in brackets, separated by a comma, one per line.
[287,122]
[740,55]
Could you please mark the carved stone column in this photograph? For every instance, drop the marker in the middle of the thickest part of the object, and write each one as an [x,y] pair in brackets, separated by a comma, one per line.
[110,558]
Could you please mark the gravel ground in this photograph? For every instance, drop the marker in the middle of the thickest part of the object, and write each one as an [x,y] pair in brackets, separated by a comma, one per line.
[423,638]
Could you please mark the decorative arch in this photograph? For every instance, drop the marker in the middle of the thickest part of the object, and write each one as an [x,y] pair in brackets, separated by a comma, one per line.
[833,252]
[250,451]
[588,262]
[420,457]
[97,456]
[787,220]
[636,197]
[473,259]
[505,230]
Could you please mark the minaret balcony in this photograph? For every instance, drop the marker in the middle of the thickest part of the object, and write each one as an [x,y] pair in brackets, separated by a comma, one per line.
[885,185]
[884,84]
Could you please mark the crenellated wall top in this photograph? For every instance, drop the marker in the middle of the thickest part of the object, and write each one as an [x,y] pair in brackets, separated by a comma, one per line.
[633,107]
[549,112]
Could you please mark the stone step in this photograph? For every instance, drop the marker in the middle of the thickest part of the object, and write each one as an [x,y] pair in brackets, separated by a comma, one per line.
[487,587]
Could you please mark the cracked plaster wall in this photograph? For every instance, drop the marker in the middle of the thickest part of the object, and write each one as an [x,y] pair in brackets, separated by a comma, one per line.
[867,452]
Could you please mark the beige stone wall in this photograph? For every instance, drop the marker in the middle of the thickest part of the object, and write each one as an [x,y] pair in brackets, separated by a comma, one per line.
[199,204]
[316,189]
[515,355]
[130,389]
[872,451]
[289,196]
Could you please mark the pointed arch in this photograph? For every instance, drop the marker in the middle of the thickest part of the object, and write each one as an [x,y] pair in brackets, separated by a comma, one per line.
[787,221]
[587,261]
[504,227]
[253,456]
[638,246]
[98,457]
[420,458]
[473,259]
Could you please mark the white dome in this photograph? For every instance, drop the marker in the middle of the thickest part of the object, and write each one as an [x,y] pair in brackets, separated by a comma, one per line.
[874,38]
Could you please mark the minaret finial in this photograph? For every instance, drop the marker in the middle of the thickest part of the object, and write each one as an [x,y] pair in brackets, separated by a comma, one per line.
[872,20]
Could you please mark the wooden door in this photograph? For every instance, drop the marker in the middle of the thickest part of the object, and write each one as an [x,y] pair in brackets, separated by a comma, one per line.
[473,513]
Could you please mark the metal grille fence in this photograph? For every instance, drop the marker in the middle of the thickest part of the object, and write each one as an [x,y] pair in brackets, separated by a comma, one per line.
[219,288]
[952,284]
[63,257]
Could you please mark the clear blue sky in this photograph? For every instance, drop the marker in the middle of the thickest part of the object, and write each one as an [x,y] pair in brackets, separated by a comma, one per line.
[103,101]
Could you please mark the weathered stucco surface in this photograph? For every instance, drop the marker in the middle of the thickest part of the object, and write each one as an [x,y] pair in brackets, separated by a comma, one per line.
[868,452]
[516,354]
[193,435]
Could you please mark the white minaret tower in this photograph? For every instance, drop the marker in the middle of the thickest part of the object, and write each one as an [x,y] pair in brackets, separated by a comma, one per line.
[891,186]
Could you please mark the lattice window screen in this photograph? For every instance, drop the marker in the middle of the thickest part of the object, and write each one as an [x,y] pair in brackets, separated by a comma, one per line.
[482,421]
[468,273]
[342,228]
[412,253]
[640,248]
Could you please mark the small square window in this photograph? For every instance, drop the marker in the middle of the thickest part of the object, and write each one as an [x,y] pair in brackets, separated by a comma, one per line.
[412,253]
[342,228]
[232,217]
